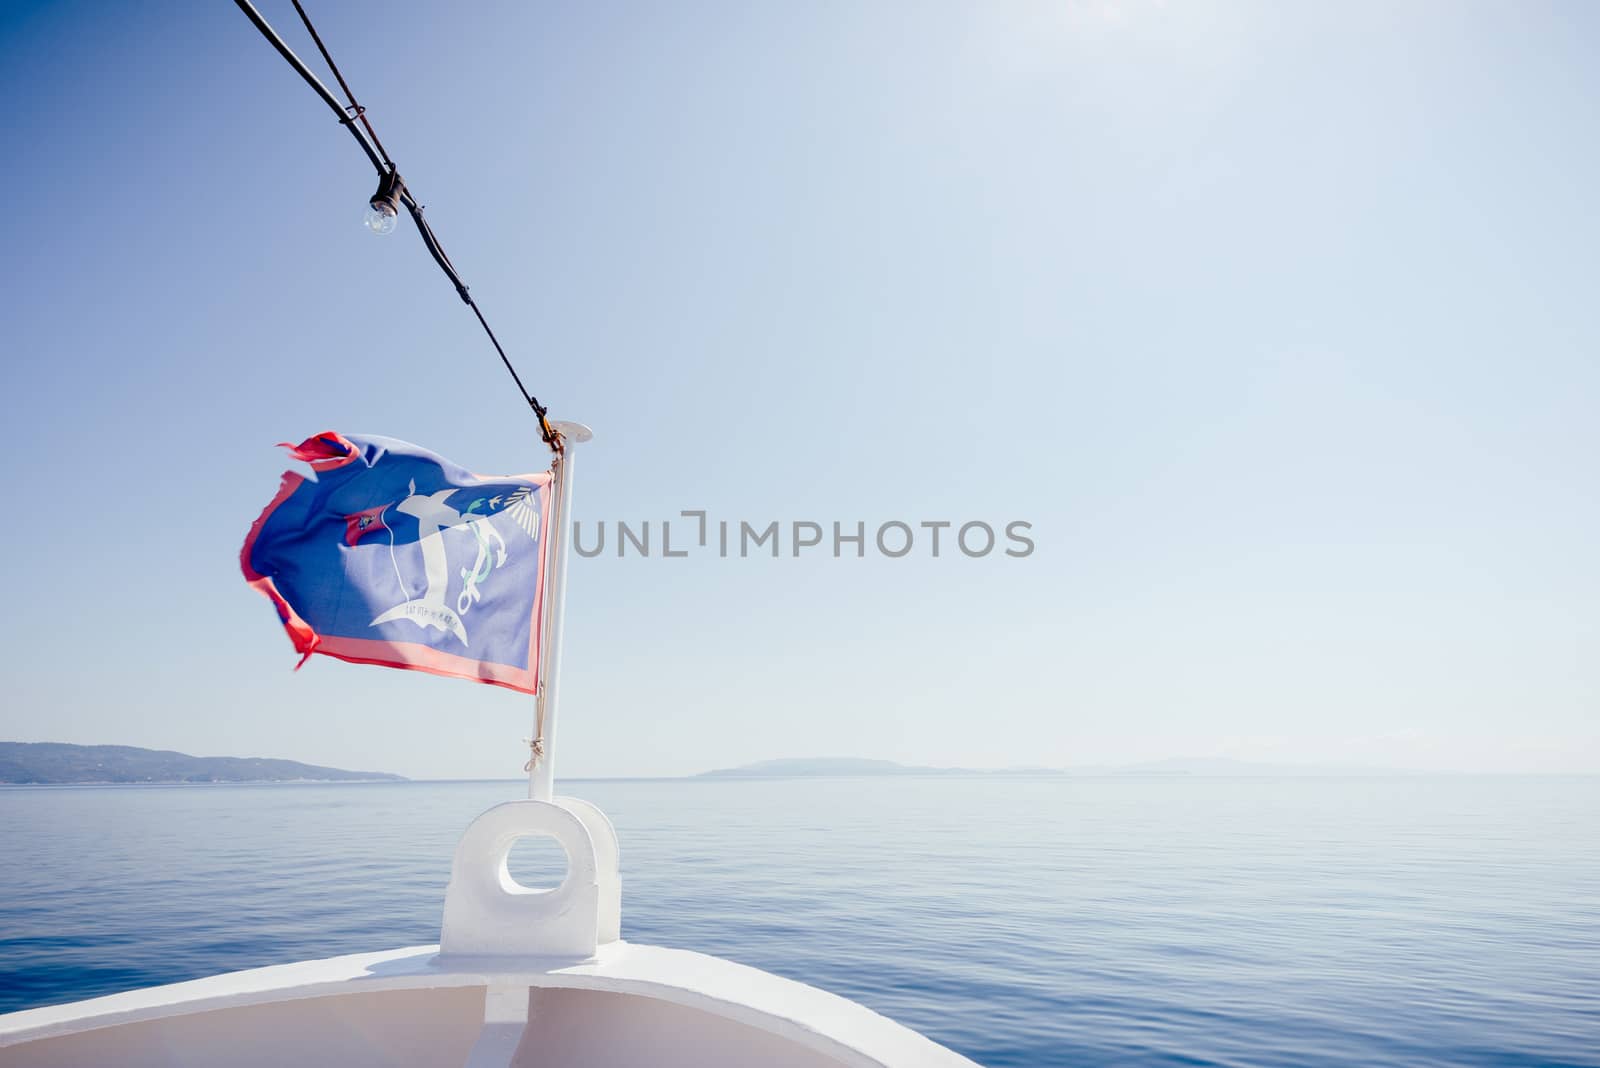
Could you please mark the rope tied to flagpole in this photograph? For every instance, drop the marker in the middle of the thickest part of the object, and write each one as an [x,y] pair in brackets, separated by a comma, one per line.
[536,744]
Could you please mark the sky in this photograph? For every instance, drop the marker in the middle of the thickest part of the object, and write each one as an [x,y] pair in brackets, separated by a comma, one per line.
[1275,322]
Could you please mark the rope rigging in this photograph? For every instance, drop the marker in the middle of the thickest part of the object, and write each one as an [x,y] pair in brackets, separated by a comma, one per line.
[392,191]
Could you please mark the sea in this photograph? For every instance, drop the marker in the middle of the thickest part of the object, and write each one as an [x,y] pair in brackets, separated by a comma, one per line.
[1021,920]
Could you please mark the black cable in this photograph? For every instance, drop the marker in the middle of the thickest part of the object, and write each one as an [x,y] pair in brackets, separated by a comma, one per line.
[311,79]
[348,116]
[449,269]
[355,109]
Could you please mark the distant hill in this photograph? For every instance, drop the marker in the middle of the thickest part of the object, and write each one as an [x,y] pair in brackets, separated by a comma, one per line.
[796,768]
[799,767]
[57,762]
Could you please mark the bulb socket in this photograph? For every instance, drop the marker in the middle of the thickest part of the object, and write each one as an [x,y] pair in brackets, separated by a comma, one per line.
[387,198]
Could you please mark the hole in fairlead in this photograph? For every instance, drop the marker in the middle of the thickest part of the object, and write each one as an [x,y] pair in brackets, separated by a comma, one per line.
[537,862]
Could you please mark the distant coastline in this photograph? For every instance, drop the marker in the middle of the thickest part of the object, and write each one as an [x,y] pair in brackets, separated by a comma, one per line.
[824,767]
[62,764]
[58,763]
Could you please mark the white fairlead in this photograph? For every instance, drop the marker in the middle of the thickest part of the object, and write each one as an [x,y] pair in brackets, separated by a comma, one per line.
[541,772]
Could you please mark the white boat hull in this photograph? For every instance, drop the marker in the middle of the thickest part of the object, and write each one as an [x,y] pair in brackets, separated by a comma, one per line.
[630,1005]
[521,977]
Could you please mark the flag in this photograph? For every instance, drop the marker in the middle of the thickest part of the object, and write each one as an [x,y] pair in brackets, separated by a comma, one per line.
[392,555]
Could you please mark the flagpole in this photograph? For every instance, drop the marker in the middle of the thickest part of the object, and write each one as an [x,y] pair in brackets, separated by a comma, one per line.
[541,773]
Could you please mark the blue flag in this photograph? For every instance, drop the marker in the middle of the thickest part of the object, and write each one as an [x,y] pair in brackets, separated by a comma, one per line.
[392,555]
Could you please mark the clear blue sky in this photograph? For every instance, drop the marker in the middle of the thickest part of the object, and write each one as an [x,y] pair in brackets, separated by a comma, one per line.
[1277,321]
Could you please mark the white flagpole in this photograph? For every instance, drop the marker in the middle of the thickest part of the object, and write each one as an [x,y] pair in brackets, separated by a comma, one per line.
[541,774]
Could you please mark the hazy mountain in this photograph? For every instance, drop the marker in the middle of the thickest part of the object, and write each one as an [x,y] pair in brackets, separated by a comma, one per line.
[56,762]
[795,768]
[800,767]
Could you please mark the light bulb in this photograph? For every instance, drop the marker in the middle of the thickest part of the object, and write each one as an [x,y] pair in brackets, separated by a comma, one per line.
[382,218]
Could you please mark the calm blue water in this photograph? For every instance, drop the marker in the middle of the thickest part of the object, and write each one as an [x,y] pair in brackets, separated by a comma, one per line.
[1110,921]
